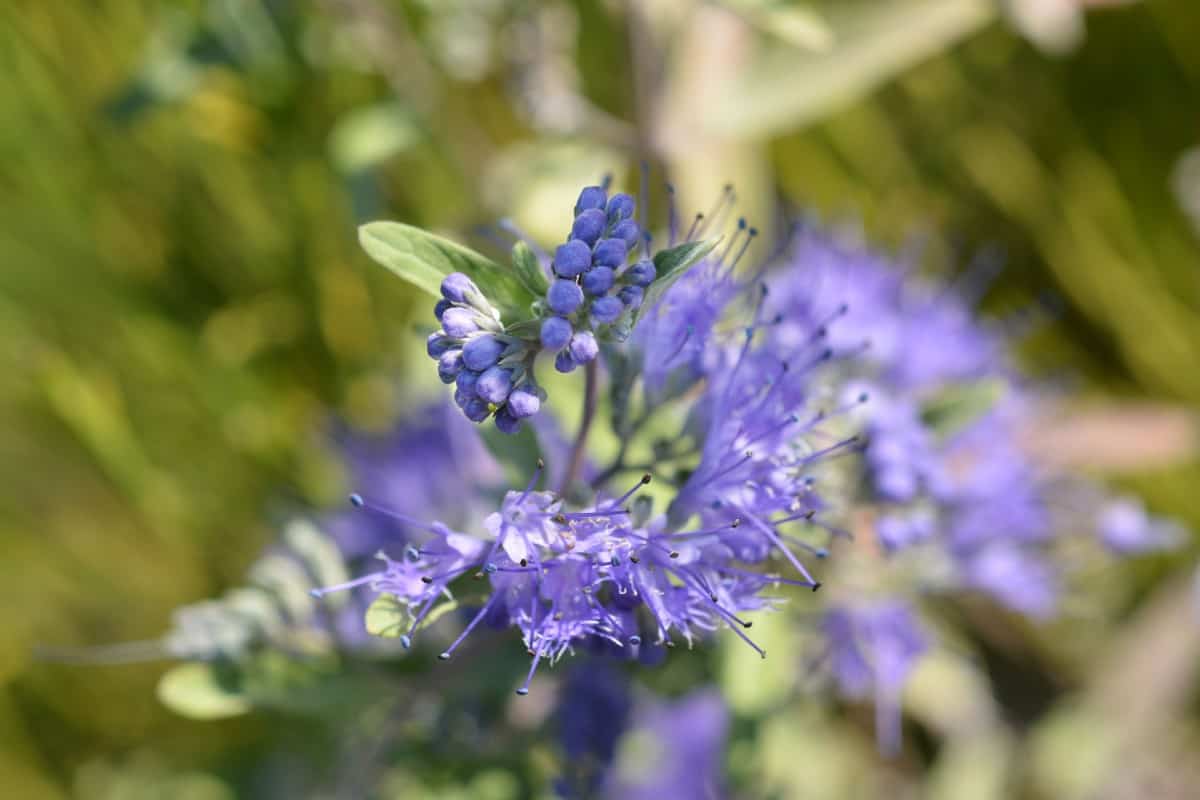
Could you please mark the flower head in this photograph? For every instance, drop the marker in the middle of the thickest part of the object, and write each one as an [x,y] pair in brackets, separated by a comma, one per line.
[872,648]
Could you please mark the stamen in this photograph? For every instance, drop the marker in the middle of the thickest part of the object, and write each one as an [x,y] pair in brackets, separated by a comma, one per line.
[324,590]
[687,334]
[753,232]
[537,473]
[733,241]
[449,651]
[672,217]
[774,538]
[645,479]
[524,690]
[853,440]
[358,501]
[723,204]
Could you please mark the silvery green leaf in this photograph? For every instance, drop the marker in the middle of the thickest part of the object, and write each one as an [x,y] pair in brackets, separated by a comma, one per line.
[424,259]
[287,582]
[193,690]
[670,265]
[320,555]
[387,617]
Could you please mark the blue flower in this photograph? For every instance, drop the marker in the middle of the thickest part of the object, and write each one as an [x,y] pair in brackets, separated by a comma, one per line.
[587,268]
[564,297]
[872,649]
[593,712]
[674,748]
[469,350]
[1126,529]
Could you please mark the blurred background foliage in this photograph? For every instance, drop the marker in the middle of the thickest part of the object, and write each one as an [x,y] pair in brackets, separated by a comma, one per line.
[185,314]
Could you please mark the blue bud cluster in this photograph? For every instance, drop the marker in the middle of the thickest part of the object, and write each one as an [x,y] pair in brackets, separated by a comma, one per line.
[491,370]
[593,282]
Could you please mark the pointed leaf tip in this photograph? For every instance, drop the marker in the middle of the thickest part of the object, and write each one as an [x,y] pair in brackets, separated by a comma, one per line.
[424,259]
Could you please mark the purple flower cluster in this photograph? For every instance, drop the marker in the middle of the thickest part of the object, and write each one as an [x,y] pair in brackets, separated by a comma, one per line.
[872,648]
[766,435]
[849,385]
[562,578]
[420,464]
[676,749]
[492,371]
[621,745]
[593,284]
[674,336]
[967,487]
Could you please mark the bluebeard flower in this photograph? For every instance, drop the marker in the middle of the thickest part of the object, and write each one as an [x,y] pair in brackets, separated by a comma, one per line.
[1020,578]
[593,712]
[972,491]
[485,363]
[862,294]
[567,578]
[872,648]
[1125,528]
[420,465]
[673,749]
[586,270]
[761,423]
[674,337]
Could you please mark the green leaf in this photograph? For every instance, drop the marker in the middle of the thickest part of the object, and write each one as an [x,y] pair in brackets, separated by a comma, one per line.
[956,407]
[387,617]
[423,259]
[367,137]
[670,266]
[529,270]
[194,691]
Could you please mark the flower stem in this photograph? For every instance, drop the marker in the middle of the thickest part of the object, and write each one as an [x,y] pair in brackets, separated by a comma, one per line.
[585,424]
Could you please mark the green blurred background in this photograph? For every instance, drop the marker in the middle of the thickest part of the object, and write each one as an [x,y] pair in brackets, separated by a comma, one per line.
[184,309]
